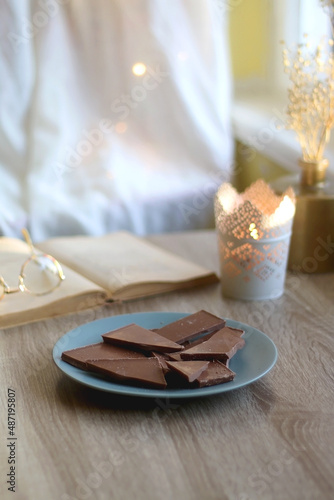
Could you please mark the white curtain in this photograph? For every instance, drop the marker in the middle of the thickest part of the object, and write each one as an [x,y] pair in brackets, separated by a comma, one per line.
[86,145]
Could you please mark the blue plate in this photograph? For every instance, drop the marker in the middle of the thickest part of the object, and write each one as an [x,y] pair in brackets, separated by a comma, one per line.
[256,358]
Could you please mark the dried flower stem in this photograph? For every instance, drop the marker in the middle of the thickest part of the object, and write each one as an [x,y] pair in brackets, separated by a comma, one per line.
[310,111]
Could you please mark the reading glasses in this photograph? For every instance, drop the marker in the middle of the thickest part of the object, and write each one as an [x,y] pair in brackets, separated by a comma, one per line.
[40,274]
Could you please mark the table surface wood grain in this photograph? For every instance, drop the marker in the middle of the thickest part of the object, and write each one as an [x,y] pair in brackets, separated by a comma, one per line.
[273,439]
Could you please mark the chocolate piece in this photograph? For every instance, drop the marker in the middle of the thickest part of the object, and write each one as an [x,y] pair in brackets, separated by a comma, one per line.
[137,356]
[190,370]
[221,346]
[78,357]
[237,331]
[162,358]
[140,338]
[191,326]
[143,372]
[176,356]
[199,340]
[216,373]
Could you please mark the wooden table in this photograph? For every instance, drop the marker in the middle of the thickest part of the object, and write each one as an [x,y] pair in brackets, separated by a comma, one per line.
[273,439]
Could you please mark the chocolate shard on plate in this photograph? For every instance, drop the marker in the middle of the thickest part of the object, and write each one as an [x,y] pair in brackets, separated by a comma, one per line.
[190,370]
[237,331]
[176,356]
[191,326]
[78,357]
[141,372]
[162,358]
[221,346]
[136,337]
[199,340]
[216,373]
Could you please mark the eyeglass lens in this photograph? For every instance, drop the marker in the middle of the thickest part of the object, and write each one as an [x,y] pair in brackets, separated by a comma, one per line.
[40,274]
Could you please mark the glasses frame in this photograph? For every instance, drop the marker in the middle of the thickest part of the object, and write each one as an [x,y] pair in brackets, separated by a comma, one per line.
[34,255]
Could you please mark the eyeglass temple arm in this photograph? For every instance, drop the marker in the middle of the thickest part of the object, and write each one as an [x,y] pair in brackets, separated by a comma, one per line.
[26,235]
[7,289]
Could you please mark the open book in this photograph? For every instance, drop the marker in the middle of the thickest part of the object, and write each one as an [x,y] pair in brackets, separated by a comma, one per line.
[117,266]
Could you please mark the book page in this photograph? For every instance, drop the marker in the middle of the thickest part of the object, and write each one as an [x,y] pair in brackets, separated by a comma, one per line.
[119,260]
[21,307]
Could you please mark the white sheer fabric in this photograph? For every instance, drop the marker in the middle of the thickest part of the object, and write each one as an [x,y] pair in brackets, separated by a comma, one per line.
[86,146]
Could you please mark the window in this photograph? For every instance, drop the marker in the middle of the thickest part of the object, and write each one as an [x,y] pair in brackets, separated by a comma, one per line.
[261,88]
[290,21]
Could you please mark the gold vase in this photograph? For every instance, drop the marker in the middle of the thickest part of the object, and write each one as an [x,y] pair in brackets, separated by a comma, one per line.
[312,241]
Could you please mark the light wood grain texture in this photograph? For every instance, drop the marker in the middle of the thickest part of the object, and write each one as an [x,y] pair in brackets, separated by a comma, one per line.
[271,440]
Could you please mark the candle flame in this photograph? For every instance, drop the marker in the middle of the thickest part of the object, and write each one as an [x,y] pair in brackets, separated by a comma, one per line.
[253,231]
[256,212]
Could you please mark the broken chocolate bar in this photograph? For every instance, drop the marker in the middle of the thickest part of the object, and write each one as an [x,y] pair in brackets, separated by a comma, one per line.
[190,370]
[140,338]
[143,372]
[191,326]
[221,346]
[176,356]
[216,373]
[137,356]
[78,357]
[237,331]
